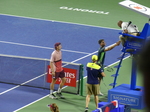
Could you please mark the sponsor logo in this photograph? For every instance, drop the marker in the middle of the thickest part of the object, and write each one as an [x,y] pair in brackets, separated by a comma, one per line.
[123,99]
[70,75]
[135,45]
[138,7]
[83,10]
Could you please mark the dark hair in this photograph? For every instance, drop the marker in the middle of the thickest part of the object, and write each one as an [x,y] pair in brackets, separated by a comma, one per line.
[54,107]
[119,23]
[100,41]
[57,44]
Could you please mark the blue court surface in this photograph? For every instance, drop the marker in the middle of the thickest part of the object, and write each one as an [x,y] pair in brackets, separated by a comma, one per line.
[36,38]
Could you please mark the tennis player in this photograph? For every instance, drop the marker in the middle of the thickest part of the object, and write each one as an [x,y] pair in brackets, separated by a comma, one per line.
[101,53]
[94,71]
[57,71]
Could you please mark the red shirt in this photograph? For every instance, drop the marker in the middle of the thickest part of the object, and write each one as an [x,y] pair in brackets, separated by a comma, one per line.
[56,59]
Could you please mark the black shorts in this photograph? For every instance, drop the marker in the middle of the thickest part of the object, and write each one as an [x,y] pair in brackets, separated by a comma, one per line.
[59,74]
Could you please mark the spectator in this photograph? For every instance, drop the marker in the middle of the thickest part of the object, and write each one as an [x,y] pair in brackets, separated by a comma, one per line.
[53,107]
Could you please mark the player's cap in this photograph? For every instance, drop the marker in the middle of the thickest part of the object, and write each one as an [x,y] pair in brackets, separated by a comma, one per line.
[57,44]
[94,57]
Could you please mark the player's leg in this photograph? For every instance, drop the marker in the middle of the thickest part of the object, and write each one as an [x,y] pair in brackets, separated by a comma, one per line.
[89,93]
[96,92]
[96,100]
[52,88]
[101,94]
[87,102]
[63,80]
[135,34]
[122,39]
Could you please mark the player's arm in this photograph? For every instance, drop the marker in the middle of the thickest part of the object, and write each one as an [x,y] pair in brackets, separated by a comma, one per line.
[112,46]
[103,74]
[52,65]
[52,68]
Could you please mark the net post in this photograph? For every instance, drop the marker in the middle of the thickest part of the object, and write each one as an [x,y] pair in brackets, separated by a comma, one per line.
[81,76]
[45,72]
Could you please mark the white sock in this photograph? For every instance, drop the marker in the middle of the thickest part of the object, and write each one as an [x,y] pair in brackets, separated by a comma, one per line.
[51,91]
[59,90]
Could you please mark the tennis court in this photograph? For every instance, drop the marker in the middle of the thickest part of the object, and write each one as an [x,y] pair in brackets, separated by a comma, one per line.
[30,29]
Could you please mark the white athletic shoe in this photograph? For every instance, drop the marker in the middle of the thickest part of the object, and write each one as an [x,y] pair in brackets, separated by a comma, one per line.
[60,95]
[52,96]
[101,94]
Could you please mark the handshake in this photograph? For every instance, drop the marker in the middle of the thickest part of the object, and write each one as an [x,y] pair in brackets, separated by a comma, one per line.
[118,43]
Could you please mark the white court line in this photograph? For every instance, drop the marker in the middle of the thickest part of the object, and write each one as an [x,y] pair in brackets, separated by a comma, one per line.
[31,103]
[51,21]
[89,54]
[22,84]
[40,47]
[48,94]
[58,21]
[63,87]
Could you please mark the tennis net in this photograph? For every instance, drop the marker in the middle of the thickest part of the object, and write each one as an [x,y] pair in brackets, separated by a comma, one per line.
[32,72]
